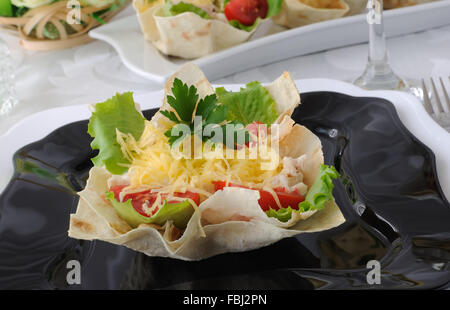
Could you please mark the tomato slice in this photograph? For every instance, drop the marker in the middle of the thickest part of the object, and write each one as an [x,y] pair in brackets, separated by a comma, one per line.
[266,200]
[138,199]
[116,190]
[246,11]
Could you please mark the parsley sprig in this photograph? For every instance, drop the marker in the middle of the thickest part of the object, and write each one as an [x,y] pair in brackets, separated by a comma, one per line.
[186,105]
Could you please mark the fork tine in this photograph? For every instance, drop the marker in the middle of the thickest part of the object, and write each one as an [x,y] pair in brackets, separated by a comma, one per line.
[426,100]
[436,95]
[447,99]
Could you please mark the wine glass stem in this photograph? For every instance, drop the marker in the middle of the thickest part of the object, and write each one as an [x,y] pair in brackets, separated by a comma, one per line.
[378,73]
[377,38]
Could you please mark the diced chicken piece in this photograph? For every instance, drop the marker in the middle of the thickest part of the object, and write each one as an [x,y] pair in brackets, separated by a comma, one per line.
[116,180]
[291,176]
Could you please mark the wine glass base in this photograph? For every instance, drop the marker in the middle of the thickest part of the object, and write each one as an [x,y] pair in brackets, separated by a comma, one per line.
[384,81]
[390,81]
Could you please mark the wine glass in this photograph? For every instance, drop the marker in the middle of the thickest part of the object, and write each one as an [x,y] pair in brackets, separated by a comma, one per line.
[378,73]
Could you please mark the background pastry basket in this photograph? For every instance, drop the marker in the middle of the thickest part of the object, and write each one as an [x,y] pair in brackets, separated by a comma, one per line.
[32,25]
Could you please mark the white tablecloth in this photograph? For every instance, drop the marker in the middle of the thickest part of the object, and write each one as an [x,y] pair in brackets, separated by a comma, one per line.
[94,72]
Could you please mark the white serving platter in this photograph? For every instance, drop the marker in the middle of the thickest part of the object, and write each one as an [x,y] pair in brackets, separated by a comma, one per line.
[271,43]
[410,110]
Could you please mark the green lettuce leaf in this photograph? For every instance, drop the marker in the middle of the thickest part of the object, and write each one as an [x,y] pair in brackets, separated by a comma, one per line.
[6,8]
[283,214]
[274,7]
[118,112]
[182,7]
[237,24]
[179,213]
[251,104]
[321,191]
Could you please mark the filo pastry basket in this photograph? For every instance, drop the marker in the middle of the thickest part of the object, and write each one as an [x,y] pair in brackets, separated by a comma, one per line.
[33,26]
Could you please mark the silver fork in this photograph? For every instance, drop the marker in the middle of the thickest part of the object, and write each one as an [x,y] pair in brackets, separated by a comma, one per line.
[440,112]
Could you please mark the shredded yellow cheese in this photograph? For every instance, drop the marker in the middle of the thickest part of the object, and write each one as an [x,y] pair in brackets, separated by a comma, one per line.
[154,166]
[274,195]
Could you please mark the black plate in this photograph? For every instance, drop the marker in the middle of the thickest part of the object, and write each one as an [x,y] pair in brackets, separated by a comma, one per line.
[389,193]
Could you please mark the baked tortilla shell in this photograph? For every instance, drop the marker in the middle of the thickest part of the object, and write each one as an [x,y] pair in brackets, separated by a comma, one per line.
[394,4]
[188,35]
[233,222]
[295,13]
[230,220]
[356,6]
